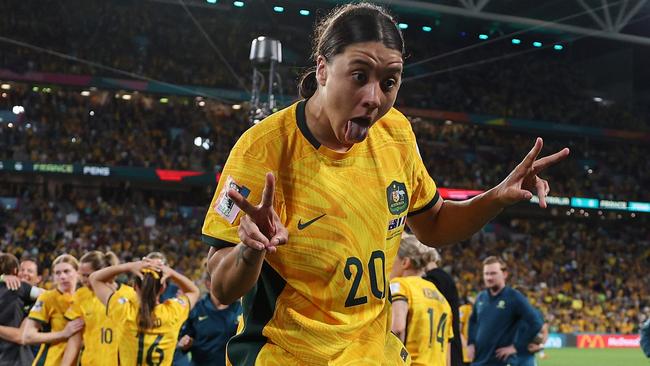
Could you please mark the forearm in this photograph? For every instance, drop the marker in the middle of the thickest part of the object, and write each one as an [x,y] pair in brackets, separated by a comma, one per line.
[185,284]
[457,221]
[11,334]
[33,336]
[235,271]
[108,274]
[72,349]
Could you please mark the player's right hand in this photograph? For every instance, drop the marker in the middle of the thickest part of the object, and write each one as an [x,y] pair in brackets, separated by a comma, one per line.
[185,342]
[73,327]
[12,282]
[260,228]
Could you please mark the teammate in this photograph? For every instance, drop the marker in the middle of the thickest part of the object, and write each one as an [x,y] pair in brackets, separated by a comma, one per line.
[101,336]
[46,324]
[422,316]
[499,311]
[464,312]
[150,328]
[445,283]
[348,176]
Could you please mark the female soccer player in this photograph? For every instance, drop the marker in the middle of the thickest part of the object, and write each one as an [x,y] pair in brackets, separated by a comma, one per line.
[101,335]
[150,328]
[349,176]
[46,324]
[422,316]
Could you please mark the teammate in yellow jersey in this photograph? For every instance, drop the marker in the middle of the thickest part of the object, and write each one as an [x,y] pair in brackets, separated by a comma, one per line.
[422,316]
[46,324]
[310,259]
[150,328]
[101,336]
[465,312]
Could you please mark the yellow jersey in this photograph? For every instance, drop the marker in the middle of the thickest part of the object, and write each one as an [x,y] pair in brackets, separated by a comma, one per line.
[153,346]
[322,298]
[428,322]
[465,311]
[48,310]
[101,336]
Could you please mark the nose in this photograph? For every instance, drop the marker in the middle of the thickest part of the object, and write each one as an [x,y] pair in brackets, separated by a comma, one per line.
[371,93]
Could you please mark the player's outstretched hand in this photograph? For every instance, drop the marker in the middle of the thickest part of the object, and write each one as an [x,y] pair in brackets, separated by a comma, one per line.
[520,183]
[260,228]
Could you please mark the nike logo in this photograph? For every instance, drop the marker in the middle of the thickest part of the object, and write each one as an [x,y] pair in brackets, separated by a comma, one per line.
[302,226]
[202,318]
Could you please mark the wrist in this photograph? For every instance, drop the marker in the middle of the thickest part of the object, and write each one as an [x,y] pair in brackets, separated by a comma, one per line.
[249,256]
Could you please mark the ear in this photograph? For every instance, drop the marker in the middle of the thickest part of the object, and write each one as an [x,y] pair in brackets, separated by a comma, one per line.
[406,263]
[321,70]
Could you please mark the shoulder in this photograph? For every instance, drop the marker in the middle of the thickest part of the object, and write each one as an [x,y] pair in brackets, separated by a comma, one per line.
[265,135]
[396,126]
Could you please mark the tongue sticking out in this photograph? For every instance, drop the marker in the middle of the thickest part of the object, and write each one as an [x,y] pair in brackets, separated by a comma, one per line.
[356,132]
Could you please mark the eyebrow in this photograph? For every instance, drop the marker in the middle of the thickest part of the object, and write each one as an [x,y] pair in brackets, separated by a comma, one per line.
[390,69]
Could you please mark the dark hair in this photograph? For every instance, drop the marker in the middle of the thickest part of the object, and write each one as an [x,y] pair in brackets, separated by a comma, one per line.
[99,260]
[8,264]
[149,287]
[346,25]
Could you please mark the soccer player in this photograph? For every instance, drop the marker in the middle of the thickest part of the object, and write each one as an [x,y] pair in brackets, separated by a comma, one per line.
[499,311]
[150,328]
[208,329]
[343,176]
[101,336]
[46,324]
[445,283]
[422,316]
[464,312]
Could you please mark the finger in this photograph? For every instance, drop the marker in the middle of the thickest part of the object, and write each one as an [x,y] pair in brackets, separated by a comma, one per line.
[541,192]
[545,162]
[241,201]
[280,238]
[252,243]
[271,249]
[269,190]
[532,154]
[251,230]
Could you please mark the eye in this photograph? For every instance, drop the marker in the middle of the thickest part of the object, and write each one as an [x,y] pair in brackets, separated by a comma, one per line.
[389,84]
[359,77]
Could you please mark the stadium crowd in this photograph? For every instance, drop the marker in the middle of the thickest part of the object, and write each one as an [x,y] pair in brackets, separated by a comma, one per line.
[64,126]
[583,277]
[149,38]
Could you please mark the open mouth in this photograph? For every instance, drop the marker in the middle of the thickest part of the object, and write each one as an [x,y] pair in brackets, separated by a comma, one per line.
[357,129]
[362,121]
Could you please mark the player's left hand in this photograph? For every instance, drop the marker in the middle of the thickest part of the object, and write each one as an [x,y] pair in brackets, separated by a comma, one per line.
[535,347]
[504,352]
[520,183]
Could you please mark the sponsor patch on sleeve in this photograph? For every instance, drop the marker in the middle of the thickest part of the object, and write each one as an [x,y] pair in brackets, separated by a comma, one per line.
[224,205]
[180,301]
[38,306]
[394,287]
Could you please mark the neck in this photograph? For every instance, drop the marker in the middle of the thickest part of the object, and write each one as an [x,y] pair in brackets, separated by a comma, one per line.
[216,303]
[496,291]
[413,272]
[320,125]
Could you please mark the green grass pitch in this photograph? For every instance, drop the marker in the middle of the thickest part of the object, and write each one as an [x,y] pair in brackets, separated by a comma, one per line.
[594,357]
